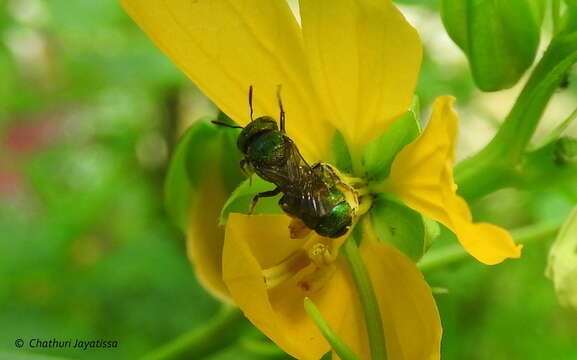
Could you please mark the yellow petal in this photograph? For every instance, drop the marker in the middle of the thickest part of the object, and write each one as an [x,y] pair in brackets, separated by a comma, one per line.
[224,46]
[204,238]
[410,317]
[422,177]
[364,58]
[253,243]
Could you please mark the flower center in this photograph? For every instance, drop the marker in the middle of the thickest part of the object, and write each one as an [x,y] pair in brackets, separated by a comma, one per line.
[311,266]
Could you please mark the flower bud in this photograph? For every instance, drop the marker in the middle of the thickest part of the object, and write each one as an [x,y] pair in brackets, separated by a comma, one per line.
[500,38]
[203,172]
[203,153]
[562,265]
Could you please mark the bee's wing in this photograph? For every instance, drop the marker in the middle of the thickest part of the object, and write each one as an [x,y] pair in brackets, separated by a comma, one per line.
[297,180]
[314,197]
[308,187]
[297,169]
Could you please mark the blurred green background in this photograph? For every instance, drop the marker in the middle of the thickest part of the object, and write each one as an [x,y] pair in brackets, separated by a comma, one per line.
[90,111]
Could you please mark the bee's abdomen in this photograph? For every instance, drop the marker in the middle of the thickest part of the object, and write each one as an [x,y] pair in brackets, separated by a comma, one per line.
[337,222]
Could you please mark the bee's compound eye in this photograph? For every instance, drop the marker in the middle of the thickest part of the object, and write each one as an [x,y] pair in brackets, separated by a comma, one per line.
[337,222]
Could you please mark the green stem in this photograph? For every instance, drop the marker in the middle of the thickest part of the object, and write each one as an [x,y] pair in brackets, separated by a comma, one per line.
[556,15]
[203,341]
[453,253]
[368,300]
[496,165]
[339,347]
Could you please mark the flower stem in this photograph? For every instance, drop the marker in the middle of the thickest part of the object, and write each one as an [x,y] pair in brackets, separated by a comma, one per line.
[339,347]
[368,300]
[453,253]
[496,165]
[203,341]
[556,15]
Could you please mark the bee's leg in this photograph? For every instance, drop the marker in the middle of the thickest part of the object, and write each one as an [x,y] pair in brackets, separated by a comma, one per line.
[331,172]
[318,169]
[255,199]
[326,172]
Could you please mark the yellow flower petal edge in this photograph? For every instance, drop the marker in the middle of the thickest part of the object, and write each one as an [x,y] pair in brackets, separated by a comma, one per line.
[364,58]
[253,243]
[224,46]
[422,177]
[205,239]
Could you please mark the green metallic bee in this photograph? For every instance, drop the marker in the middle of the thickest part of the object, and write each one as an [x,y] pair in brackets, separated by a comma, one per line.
[314,194]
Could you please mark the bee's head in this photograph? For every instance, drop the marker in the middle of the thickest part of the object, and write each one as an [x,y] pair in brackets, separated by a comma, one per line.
[337,222]
[254,128]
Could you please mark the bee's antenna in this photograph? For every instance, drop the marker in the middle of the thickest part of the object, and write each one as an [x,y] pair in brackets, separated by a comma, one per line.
[250,101]
[220,123]
[282,114]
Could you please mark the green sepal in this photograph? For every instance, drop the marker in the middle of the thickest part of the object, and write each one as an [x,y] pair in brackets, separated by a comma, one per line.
[562,262]
[499,37]
[202,150]
[240,199]
[432,232]
[340,155]
[379,155]
[401,227]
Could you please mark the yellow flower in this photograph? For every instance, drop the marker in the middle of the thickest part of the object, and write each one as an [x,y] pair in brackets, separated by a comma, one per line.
[410,318]
[351,66]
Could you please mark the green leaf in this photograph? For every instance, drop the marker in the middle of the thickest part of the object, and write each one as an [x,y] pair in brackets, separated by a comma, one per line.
[239,201]
[562,263]
[499,37]
[379,154]
[202,150]
[401,227]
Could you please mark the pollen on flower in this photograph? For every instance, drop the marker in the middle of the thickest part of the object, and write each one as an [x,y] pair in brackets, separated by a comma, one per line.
[320,254]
